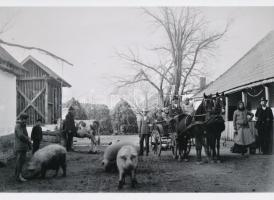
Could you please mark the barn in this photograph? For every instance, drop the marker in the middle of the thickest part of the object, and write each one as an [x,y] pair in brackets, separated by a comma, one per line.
[39,92]
[249,79]
[9,69]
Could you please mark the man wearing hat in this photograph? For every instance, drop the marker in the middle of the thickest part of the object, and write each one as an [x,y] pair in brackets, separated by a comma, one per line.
[69,128]
[22,144]
[144,133]
[264,117]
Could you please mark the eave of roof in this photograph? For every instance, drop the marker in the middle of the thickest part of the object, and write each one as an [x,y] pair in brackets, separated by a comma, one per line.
[262,78]
[51,73]
[15,67]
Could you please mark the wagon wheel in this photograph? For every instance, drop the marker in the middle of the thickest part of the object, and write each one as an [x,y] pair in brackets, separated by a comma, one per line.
[155,141]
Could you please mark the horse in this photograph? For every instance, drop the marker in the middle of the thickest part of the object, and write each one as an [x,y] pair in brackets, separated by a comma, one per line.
[203,126]
[215,125]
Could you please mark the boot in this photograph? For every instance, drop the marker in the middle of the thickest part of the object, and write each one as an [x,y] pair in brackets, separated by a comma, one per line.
[21,178]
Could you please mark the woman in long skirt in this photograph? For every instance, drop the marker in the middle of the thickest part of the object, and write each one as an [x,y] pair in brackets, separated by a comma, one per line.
[243,137]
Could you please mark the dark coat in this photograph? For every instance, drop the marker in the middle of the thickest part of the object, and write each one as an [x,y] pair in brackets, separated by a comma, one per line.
[21,139]
[36,134]
[265,117]
[69,124]
[144,126]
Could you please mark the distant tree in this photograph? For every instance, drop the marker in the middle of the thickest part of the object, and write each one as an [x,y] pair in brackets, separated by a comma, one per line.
[123,118]
[80,113]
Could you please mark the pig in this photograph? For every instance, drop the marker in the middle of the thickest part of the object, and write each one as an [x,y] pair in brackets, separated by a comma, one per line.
[51,157]
[110,154]
[127,160]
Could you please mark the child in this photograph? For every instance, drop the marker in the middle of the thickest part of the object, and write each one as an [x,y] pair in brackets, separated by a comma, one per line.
[36,135]
[93,140]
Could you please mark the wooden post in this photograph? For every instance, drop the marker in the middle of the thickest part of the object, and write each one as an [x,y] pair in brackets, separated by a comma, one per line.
[46,102]
[266,88]
[226,108]
[244,98]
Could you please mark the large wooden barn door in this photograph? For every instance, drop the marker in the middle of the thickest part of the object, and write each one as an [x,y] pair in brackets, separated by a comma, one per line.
[30,99]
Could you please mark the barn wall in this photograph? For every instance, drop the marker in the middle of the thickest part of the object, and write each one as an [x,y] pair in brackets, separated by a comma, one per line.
[31,84]
[7,102]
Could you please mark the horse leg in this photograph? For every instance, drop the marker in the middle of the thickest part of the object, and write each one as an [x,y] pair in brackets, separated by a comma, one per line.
[175,148]
[185,156]
[198,150]
[218,149]
[206,148]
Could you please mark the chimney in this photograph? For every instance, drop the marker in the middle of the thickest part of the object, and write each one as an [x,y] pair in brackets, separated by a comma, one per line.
[202,82]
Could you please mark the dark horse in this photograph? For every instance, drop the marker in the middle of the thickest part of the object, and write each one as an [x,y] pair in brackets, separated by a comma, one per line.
[205,126]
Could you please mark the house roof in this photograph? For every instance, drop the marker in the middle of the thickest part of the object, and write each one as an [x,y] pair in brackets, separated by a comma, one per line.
[256,67]
[51,73]
[16,67]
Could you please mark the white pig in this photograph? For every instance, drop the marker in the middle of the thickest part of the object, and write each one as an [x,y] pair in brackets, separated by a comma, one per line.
[127,160]
[110,154]
[51,157]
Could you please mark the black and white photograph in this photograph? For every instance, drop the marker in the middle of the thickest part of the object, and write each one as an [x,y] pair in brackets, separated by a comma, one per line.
[136,99]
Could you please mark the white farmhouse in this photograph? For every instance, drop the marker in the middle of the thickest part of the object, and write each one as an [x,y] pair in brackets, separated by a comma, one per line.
[9,69]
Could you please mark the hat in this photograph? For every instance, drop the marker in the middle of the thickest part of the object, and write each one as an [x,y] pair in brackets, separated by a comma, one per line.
[24,116]
[263,99]
[71,108]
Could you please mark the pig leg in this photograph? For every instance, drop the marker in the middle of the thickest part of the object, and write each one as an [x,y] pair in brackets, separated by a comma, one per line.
[133,178]
[64,168]
[43,171]
[56,172]
[121,179]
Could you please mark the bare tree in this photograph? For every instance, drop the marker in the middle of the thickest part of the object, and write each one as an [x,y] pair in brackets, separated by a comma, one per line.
[188,40]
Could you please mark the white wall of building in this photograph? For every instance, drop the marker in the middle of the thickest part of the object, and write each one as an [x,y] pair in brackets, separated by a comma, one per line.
[7,102]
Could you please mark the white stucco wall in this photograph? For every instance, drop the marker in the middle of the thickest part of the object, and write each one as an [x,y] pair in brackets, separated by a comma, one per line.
[7,102]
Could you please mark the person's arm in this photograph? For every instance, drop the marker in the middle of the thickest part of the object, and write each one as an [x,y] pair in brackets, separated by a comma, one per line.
[257,113]
[234,120]
[270,114]
[40,134]
[32,133]
[141,123]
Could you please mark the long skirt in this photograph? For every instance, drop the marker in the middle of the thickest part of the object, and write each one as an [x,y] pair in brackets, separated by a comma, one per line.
[244,136]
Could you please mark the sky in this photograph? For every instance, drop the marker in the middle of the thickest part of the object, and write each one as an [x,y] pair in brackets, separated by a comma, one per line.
[91,37]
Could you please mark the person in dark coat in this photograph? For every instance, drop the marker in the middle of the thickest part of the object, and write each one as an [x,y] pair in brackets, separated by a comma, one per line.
[36,136]
[264,123]
[69,128]
[22,144]
[144,133]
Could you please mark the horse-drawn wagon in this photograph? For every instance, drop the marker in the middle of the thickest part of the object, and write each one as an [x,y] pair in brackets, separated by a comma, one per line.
[164,137]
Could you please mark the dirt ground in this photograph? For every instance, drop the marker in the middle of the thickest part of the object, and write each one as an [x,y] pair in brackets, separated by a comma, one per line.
[253,173]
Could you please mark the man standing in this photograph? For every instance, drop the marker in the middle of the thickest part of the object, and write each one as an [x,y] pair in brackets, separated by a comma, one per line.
[69,128]
[264,117]
[22,144]
[144,133]
[36,135]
